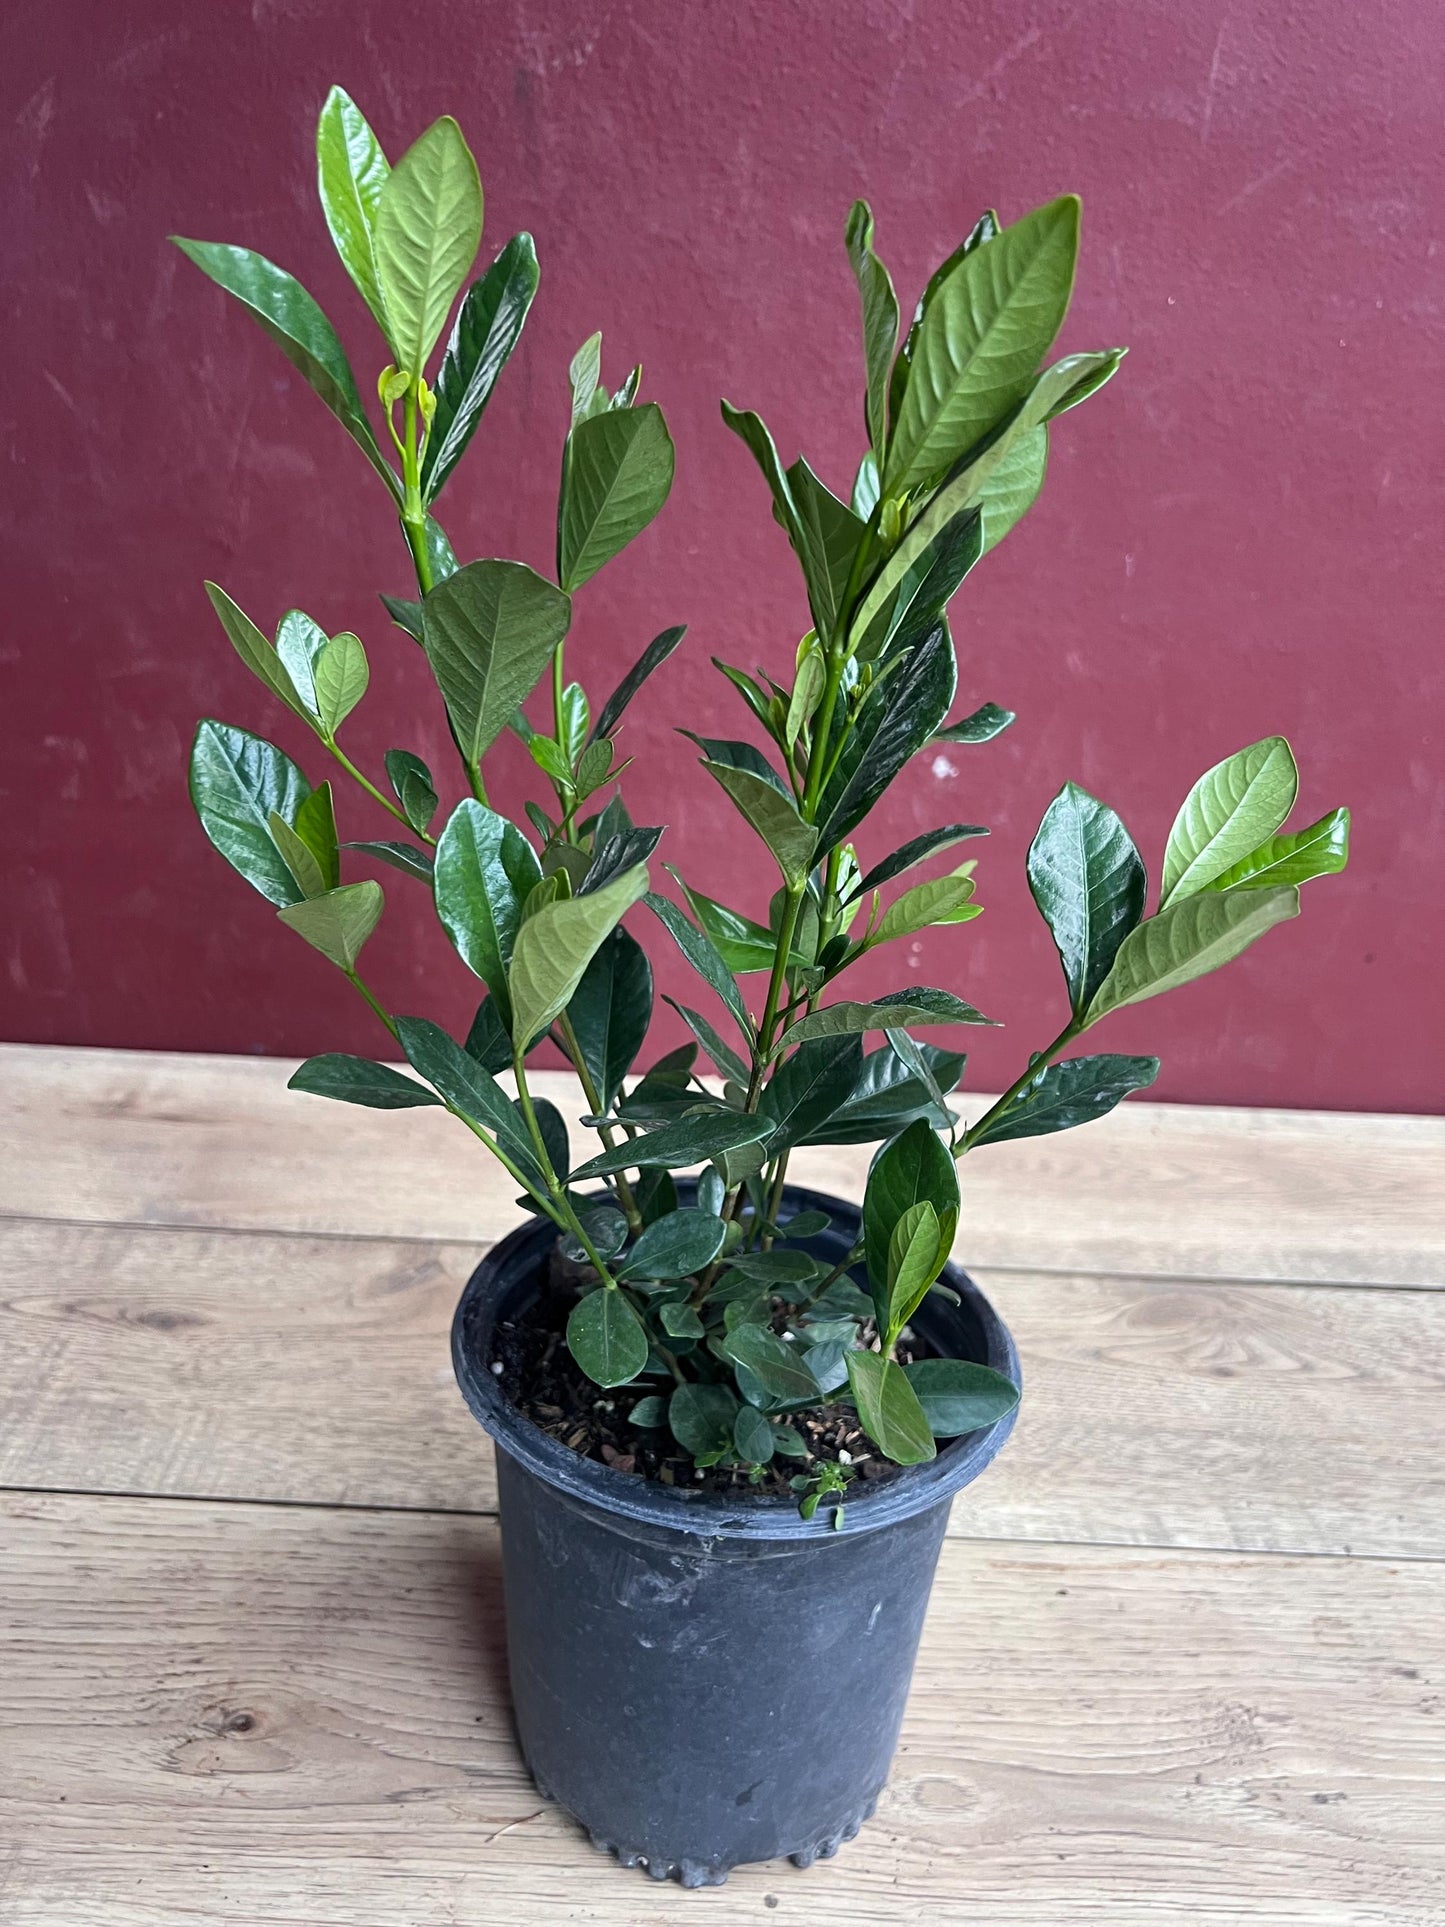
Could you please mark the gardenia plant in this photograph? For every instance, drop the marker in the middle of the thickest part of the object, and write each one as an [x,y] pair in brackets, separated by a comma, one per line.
[714,1309]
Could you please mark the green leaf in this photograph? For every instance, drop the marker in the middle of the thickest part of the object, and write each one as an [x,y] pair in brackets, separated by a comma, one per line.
[775,1268]
[749,428]
[1188,939]
[775,818]
[888,1409]
[351,172]
[808,685]
[616,477]
[341,676]
[917,1252]
[614,854]
[488,1042]
[405,857]
[1232,809]
[690,1140]
[553,1128]
[428,229]
[984,229]
[880,322]
[1012,484]
[653,656]
[809,1087]
[675,1246]
[412,781]
[488,327]
[752,1436]
[339,923]
[941,900]
[888,1096]
[894,1011]
[300,330]
[703,955]
[723,1056]
[679,1320]
[606,1337]
[610,1010]
[982,726]
[650,1413]
[554,947]
[1321,850]
[1088,881]
[742,944]
[357,1080]
[991,321]
[701,1418]
[830,535]
[1060,1096]
[583,373]
[776,1365]
[915,1168]
[490,632]
[299,643]
[300,860]
[957,1397]
[485,870]
[467,1088]
[915,851]
[255,649]
[405,614]
[315,824]
[896,719]
[236,781]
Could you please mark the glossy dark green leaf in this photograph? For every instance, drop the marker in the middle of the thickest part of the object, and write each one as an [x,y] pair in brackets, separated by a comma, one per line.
[556,944]
[723,1055]
[702,954]
[990,323]
[690,1140]
[894,1010]
[915,851]
[615,479]
[614,854]
[701,1418]
[298,327]
[880,322]
[485,870]
[1088,882]
[487,1040]
[236,781]
[357,1080]
[1230,811]
[729,753]
[743,944]
[809,1087]
[254,649]
[488,326]
[894,722]
[775,1268]
[1321,850]
[889,623]
[1062,1095]
[653,656]
[888,1409]
[412,782]
[982,726]
[490,632]
[440,555]
[406,857]
[405,614]
[679,1320]
[606,1337]
[775,818]
[831,535]
[915,1168]
[465,1086]
[339,923]
[606,1230]
[752,1436]
[1188,939]
[610,1010]
[777,1366]
[675,1246]
[427,230]
[750,429]
[887,1097]
[958,1397]
[351,171]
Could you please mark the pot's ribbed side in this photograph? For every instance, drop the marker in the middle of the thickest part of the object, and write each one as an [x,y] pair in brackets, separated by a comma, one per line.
[706,1680]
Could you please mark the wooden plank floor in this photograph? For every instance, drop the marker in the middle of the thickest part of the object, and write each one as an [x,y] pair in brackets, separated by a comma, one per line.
[1186,1657]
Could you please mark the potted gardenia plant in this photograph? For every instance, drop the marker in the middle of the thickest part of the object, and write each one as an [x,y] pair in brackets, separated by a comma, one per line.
[730,1415]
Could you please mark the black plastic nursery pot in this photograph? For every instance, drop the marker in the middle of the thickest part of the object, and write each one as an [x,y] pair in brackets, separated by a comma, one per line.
[705,1679]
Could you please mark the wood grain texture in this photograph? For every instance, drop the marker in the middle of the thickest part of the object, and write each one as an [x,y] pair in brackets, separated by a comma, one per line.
[151,1138]
[223,1714]
[266,1366]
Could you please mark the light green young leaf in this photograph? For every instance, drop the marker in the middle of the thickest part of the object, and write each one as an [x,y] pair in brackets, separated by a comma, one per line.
[615,478]
[254,649]
[1232,809]
[981,340]
[315,824]
[351,172]
[489,632]
[808,681]
[237,780]
[888,1409]
[1188,939]
[583,374]
[554,947]
[339,923]
[915,1168]
[1011,486]
[880,322]
[299,859]
[428,229]
[1321,850]
[916,1255]
[484,871]
[941,900]
[774,817]
[341,675]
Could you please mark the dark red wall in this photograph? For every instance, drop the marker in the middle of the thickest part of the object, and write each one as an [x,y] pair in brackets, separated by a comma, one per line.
[1242,535]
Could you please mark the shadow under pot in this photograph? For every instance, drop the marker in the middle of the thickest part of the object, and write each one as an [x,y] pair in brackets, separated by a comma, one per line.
[704,1679]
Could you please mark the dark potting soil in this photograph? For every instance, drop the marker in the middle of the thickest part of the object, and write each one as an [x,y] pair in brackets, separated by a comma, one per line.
[542,1379]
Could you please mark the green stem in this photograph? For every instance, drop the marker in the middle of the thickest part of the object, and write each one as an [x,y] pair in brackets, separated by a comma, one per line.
[605,1131]
[373,792]
[377,1009]
[563,1211]
[1065,1037]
